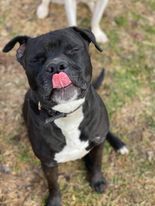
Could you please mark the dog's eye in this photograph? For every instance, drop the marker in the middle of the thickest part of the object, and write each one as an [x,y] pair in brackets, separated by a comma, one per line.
[39,59]
[71,51]
[75,49]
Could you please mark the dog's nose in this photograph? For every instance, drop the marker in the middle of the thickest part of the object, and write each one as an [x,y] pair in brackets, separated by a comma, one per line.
[56,67]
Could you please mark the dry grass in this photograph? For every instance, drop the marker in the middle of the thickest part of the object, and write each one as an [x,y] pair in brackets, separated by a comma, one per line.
[129,94]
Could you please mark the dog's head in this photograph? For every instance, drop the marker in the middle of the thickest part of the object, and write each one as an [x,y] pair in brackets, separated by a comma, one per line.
[57,64]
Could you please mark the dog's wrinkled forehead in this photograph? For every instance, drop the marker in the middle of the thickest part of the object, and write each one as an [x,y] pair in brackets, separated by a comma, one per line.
[63,39]
[56,40]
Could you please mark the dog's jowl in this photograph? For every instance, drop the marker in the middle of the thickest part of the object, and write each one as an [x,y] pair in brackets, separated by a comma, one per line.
[65,117]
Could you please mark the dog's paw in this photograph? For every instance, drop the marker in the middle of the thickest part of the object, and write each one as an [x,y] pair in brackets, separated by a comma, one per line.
[100,35]
[42,11]
[98,184]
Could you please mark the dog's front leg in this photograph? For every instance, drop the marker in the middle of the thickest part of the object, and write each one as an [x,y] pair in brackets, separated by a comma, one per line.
[96,18]
[93,162]
[70,6]
[51,174]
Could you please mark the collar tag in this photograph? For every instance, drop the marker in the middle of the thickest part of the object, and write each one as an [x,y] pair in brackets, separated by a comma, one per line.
[39,106]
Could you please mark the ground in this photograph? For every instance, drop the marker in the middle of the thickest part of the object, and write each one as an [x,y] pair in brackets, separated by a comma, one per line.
[128,91]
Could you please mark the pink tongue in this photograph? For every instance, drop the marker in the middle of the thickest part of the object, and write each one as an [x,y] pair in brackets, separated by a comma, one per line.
[60,80]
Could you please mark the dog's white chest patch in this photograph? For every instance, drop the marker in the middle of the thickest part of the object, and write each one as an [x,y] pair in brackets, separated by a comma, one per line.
[74,148]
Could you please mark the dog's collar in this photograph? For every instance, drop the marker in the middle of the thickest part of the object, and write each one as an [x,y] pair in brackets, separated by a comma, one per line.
[55,114]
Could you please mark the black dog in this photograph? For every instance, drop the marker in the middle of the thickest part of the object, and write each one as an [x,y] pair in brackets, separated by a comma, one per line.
[65,117]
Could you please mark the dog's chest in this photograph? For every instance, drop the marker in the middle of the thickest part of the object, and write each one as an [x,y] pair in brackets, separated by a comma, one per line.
[74,148]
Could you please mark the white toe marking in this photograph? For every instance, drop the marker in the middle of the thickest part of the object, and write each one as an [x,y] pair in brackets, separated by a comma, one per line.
[124,150]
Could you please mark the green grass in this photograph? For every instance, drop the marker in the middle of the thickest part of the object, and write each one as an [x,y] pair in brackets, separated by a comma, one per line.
[124,87]
[114,38]
[136,16]
[121,21]
[24,156]
[150,29]
[2,20]
[151,4]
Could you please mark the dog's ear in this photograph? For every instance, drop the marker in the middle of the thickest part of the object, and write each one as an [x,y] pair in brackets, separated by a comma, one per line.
[22,40]
[88,36]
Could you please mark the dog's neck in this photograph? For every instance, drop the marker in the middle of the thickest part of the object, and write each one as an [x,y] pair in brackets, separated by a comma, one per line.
[70,106]
[61,110]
